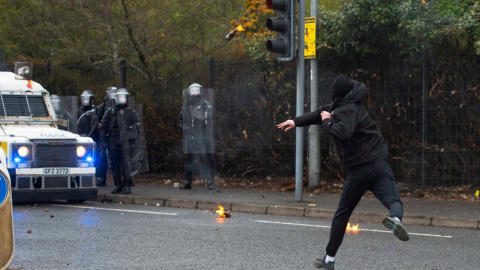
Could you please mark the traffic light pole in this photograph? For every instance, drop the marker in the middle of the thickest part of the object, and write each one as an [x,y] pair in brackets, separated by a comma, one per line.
[314,154]
[300,102]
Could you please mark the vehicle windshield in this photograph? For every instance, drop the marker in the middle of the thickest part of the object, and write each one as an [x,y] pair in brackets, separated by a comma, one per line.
[24,107]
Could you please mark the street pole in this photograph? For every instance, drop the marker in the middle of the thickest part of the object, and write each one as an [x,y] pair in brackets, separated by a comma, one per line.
[210,72]
[47,72]
[424,123]
[123,65]
[314,155]
[300,102]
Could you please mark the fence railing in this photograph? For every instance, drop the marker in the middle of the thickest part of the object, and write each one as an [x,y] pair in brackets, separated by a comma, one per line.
[252,97]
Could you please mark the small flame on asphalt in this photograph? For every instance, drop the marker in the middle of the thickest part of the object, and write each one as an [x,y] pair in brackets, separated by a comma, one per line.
[352,228]
[223,214]
[220,211]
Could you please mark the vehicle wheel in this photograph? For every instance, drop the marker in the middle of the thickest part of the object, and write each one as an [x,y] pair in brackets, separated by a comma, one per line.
[76,201]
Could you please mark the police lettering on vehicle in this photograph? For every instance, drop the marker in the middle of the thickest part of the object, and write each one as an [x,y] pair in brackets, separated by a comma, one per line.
[3,190]
[53,135]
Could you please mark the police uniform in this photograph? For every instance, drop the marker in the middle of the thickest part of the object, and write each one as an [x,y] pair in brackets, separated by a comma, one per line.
[196,121]
[120,126]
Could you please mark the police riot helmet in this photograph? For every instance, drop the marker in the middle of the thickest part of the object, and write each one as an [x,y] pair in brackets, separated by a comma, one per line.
[111,95]
[111,92]
[56,102]
[111,88]
[87,98]
[122,96]
[195,89]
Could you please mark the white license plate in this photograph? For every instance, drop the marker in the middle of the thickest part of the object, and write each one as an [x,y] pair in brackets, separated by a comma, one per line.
[56,170]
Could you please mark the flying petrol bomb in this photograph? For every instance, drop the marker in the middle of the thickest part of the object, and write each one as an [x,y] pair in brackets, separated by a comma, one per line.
[234,32]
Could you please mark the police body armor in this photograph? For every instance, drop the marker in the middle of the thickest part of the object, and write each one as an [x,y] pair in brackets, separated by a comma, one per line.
[128,126]
[83,110]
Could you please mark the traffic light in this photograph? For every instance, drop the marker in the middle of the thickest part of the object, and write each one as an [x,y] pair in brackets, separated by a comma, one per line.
[284,25]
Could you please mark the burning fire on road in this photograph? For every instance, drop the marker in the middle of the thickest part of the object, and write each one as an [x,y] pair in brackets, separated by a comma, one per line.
[353,228]
[223,214]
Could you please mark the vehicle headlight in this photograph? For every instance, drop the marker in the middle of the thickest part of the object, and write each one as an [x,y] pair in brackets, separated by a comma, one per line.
[23,151]
[81,151]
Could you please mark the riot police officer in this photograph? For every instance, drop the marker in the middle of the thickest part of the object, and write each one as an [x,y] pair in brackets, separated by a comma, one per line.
[120,134]
[86,98]
[196,120]
[88,124]
[108,102]
[102,158]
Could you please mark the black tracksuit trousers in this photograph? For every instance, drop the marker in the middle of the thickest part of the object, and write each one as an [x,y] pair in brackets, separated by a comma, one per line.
[376,176]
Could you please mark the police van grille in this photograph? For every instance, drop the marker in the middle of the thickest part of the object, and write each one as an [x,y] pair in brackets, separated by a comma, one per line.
[24,182]
[56,182]
[55,156]
[87,181]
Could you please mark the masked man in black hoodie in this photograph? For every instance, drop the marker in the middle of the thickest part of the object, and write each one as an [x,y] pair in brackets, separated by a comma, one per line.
[363,151]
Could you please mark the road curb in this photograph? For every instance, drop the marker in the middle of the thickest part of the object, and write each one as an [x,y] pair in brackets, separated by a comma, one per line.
[212,206]
[319,213]
[181,203]
[249,208]
[149,200]
[417,220]
[119,198]
[281,210]
[455,223]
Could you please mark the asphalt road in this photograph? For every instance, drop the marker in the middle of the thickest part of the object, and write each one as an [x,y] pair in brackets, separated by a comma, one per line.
[123,236]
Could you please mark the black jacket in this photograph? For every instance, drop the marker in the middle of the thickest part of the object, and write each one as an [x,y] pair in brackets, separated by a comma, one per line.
[356,135]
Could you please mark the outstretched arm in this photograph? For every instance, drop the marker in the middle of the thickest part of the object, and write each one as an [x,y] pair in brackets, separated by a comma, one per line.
[289,124]
[311,118]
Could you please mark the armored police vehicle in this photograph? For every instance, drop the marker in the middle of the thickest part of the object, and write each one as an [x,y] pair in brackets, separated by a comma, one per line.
[45,163]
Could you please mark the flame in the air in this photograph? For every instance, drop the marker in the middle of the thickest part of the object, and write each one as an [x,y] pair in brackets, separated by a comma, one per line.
[240,28]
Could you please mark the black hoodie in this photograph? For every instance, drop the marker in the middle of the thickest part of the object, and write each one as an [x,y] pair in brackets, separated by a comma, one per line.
[356,135]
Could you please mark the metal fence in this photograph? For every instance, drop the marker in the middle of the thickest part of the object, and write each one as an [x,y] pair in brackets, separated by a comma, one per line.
[428,114]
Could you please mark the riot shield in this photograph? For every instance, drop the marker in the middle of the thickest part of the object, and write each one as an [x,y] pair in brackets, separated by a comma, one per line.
[141,136]
[132,154]
[7,243]
[88,125]
[66,108]
[198,122]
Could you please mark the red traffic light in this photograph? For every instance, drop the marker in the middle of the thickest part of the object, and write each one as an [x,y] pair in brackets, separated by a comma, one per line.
[277,4]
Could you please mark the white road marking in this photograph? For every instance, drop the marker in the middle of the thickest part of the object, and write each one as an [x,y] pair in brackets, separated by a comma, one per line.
[366,230]
[119,210]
